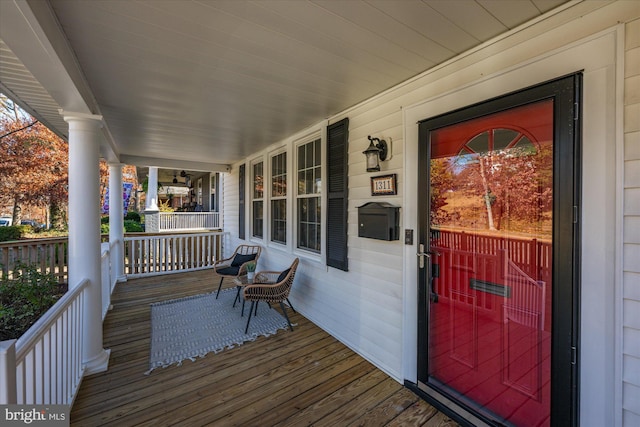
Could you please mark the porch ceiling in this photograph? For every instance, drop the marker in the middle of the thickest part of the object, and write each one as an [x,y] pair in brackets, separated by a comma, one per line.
[202,84]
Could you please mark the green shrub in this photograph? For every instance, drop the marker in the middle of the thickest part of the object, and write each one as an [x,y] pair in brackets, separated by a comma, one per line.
[129,227]
[27,229]
[132,226]
[13,232]
[133,216]
[104,220]
[25,298]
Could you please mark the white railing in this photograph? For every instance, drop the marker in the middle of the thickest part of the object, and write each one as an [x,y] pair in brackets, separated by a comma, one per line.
[44,366]
[162,254]
[183,221]
[108,276]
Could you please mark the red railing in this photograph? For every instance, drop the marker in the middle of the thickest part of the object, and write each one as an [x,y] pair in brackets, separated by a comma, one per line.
[493,264]
[532,256]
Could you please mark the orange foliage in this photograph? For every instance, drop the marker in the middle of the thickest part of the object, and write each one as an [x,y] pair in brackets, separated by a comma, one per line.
[33,163]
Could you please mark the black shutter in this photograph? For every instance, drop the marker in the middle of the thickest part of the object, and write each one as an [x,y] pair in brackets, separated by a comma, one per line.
[337,194]
[241,209]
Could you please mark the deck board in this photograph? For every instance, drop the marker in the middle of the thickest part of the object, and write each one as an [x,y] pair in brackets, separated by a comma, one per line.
[294,378]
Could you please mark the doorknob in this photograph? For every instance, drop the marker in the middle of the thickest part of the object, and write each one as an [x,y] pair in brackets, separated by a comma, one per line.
[427,254]
[422,254]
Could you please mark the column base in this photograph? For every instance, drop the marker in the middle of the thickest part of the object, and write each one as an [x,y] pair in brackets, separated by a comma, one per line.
[98,364]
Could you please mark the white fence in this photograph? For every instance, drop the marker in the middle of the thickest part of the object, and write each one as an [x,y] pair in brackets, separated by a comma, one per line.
[183,221]
[162,254]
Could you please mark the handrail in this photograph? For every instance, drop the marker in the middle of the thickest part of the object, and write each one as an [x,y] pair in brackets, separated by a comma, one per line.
[35,331]
[38,240]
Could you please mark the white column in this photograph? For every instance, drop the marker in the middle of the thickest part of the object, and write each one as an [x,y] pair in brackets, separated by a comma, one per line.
[84,231]
[152,190]
[116,218]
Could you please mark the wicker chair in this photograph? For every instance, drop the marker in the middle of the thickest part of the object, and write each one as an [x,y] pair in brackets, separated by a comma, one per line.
[271,286]
[236,265]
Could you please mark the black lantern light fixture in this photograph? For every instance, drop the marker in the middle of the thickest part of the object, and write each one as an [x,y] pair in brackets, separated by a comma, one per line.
[374,153]
[175,178]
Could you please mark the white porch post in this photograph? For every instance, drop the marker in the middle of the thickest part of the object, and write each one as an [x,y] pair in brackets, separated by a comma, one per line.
[116,218]
[152,190]
[8,372]
[151,212]
[84,231]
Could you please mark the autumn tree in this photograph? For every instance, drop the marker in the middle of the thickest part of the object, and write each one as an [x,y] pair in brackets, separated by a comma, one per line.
[441,177]
[129,175]
[515,183]
[33,165]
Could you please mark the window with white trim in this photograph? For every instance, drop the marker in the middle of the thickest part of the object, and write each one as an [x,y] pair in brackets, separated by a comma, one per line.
[279,198]
[257,200]
[309,218]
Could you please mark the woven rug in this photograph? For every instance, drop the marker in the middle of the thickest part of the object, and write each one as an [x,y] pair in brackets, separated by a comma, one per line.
[191,327]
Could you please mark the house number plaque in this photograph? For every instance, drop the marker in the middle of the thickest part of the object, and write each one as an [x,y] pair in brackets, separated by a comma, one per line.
[384,185]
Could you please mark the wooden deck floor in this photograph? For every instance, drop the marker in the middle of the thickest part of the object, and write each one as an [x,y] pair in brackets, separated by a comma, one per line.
[304,377]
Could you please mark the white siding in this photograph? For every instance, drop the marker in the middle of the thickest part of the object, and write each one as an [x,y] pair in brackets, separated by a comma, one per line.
[371,308]
[631,248]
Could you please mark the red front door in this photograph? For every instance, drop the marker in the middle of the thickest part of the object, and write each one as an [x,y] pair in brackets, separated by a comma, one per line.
[490,222]
[497,303]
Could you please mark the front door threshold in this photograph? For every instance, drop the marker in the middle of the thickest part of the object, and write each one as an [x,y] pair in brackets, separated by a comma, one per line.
[454,411]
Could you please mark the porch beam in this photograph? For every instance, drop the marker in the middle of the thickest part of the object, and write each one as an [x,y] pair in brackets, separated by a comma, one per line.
[84,231]
[174,164]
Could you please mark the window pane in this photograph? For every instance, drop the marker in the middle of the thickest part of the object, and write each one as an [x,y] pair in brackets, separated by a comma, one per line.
[309,180]
[279,175]
[302,228]
[503,137]
[301,157]
[279,221]
[480,143]
[317,181]
[318,238]
[309,224]
[311,211]
[301,187]
[258,181]
[257,219]
[316,154]
[308,155]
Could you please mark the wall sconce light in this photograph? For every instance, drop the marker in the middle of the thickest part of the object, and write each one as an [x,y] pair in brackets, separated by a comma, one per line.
[175,179]
[374,153]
